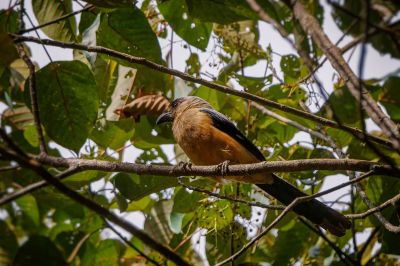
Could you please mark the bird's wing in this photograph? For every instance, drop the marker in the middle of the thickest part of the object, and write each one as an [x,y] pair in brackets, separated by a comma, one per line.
[222,123]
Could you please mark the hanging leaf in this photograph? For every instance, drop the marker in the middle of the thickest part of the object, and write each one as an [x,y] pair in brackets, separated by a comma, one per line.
[68,101]
[49,10]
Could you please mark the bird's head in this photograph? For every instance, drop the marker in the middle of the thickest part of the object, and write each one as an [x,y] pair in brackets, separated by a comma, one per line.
[179,106]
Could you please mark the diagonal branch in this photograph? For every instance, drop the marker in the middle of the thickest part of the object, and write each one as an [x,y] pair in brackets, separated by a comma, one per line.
[103,212]
[375,209]
[218,87]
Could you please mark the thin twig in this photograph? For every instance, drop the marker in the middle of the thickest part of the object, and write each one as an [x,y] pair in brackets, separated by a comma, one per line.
[130,244]
[57,19]
[374,209]
[212,85]
[33,98]
[216,195]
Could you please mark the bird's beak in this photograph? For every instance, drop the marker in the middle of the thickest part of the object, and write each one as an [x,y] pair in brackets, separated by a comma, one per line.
[164,117]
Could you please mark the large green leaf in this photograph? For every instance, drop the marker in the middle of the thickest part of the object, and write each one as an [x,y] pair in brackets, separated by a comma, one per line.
[390,97]
[134,187]
[8,52]
[191,30]
[114,134]
[49,10]
[68,102]
[127,30]
[39,250]
[8,241]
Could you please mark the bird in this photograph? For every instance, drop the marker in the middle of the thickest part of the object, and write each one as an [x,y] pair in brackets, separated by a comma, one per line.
[210,138]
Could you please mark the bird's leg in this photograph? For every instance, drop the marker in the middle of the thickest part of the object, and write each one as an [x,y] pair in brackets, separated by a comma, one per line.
[223,167]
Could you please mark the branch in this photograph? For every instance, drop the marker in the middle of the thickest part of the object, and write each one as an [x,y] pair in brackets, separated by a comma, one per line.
[333,53]
[390,227]
[215,170]
[255,204]
[218,87]
[103,212]
[375,209]
[33,97]
[130,244]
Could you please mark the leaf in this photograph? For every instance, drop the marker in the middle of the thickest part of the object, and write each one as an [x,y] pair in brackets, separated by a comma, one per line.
[107,253]
[38,250]
[134,187]
[220,11]
[290,65]
[8,241]
[68,100]
[127,30]
[185,202]
[390,97]
[29,208]
[8,52]
[9,21]
[193,31]
[113,135]
[49,10]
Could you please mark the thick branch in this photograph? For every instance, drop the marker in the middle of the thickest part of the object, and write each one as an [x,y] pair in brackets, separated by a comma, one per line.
[215,170]
[218,87]
[333,53]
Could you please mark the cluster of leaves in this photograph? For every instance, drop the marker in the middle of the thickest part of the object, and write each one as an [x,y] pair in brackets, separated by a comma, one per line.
[77,101]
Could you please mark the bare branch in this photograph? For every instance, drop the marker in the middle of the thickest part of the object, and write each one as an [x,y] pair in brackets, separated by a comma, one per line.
[184,76]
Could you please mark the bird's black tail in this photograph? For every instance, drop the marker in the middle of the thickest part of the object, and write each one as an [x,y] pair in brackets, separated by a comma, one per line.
[313,210]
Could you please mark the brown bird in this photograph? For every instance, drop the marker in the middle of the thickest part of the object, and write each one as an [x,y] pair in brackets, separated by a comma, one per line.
[210,138]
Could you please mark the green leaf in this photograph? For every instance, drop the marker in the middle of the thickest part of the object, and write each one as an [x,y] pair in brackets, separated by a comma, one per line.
[38,250]
[176,222]
[107,253]
[157,223]
[114,135]
[8,241]
[127,30]
[49,10]
[390,97]
[290,65]
[186,202]
[9,20]
[220,11]
[134,187]
[68,101]
[29,208]
[8,52]
[191,30]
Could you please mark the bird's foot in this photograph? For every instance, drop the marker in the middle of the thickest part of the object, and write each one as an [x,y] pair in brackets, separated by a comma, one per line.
[185,165]
[223,167]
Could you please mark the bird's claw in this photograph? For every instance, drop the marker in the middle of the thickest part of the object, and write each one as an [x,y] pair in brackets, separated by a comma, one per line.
[223,167]
[185,165]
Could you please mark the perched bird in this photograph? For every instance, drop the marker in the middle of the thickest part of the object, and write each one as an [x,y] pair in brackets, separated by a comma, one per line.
[210,138]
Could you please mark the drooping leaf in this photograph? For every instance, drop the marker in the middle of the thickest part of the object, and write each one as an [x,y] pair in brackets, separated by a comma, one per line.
[68,100]
[49,10]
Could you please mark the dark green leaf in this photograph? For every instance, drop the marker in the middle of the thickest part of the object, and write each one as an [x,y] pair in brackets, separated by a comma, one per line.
[38,250]
[68,100]
[127,30]
[134,187]
[8,52]
[8,240]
